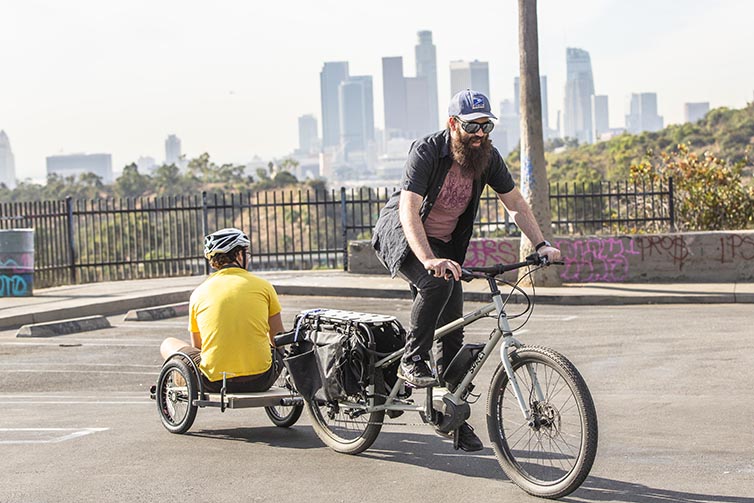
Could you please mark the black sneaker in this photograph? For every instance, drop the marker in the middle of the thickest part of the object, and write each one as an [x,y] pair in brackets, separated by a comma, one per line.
[417,374]
[467,439]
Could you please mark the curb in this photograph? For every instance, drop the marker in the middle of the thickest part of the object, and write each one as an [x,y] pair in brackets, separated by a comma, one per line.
[158,313]
[107,308]
[63,327]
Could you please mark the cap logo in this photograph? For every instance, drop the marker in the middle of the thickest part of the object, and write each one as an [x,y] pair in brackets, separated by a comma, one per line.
[477,101]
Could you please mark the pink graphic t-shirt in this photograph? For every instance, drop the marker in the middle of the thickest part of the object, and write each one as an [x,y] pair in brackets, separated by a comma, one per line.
[450,204]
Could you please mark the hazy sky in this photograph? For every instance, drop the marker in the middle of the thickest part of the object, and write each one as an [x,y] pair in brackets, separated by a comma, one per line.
[231,77]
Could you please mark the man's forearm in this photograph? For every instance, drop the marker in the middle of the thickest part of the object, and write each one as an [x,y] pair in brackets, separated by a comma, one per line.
[528,225]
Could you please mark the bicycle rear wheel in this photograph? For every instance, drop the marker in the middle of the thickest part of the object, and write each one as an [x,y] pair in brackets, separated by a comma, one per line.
[345,426]
[176,391]
[550,454]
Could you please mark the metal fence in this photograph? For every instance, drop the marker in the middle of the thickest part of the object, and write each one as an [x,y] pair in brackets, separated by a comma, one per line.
[79,241]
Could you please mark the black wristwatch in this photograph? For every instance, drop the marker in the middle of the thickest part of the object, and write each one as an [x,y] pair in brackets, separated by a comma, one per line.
[540,245]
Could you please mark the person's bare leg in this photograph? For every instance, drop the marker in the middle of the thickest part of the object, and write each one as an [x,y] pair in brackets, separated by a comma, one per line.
[171,345]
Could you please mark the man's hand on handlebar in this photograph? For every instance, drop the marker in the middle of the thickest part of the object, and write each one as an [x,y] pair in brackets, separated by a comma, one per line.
[551,253]
[443,268]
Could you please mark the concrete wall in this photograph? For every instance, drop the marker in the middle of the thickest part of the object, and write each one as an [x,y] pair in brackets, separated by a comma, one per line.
[722,256]
[16,262]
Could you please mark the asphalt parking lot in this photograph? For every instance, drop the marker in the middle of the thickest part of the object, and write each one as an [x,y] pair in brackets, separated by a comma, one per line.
[671,383]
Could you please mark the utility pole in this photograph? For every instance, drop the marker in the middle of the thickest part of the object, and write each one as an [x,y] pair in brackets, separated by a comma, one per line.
[534,184]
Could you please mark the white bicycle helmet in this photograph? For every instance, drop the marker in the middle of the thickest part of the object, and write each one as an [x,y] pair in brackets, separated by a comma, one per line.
[223,241]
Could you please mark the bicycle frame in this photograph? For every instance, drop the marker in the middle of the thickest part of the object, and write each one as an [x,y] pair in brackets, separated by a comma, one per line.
[502,331]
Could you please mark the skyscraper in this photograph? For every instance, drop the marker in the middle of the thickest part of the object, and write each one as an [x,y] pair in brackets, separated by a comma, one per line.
[7,162]
[307,134]
[577,116]
[470,75]
[366,82]
[394,96]
[543,94]
[693,112]
[332,74]
[78,164]
[426,68]
[600,115]
[642,114]
[356,114]
[173,150]
[418,108]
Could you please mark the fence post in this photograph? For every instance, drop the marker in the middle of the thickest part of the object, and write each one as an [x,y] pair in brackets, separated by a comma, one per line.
[344,223]
[205,224]
[671,205]
[71,243]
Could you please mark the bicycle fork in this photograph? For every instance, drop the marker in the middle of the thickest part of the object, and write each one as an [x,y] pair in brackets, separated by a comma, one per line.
[508,341]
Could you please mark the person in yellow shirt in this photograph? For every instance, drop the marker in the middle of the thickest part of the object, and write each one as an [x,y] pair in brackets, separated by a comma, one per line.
[233,318]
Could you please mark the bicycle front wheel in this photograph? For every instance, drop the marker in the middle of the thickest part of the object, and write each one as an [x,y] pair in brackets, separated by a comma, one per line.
[550,453]
[345,427]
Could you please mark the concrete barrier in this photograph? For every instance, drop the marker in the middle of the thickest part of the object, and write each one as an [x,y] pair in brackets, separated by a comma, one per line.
[63,327]
[158,312]
[721,256]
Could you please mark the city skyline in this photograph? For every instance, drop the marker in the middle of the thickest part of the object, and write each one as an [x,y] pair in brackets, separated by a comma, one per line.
[233,81]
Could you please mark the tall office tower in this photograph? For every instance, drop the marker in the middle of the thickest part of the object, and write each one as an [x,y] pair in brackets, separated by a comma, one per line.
[642,114]
[356,114]
[307,134]
[509,126]
[693,112]
[78,164]
[7,162]
[418,108]
[173,150]
[426,67]
[470,75]
[332,74]
[600,115]
[394,97]
[543,95]
[366,81]
[146,165]
[577,116]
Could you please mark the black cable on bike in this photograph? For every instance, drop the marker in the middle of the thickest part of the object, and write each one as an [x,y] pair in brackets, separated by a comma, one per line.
[529,304]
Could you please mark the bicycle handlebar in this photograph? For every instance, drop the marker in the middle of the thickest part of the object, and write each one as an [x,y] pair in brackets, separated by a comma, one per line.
[469,273]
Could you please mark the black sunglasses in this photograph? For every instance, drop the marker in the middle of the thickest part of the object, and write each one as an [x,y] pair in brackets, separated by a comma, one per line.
[473,127]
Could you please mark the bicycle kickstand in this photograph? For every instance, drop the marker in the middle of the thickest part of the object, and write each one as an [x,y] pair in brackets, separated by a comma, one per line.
[455,439]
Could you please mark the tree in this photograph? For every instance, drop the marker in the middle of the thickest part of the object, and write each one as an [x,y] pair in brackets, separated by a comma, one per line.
[710,194]
[534,185]
[131,183]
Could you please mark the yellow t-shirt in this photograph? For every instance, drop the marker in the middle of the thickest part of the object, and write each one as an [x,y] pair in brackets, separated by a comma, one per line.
[231,311]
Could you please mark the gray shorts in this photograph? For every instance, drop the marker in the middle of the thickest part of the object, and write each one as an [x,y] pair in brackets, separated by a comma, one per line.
[243,384]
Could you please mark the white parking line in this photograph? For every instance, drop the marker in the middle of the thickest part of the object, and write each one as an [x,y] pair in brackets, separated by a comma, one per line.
[54,435]
[53,371]
[78,365]
[84,342]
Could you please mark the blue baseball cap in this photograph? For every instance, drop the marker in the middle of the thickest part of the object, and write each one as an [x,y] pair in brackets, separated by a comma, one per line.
[469,105]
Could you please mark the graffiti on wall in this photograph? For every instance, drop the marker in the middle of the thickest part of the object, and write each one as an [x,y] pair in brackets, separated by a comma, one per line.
[16,274]
[596,259]
[482,252]
[610,259]
[736,247]
[676,247]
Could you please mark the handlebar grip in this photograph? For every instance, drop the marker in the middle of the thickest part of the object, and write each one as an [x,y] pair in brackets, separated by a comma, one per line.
[285,338]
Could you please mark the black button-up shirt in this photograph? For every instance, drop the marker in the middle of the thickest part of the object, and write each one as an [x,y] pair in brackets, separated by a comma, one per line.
[429,161]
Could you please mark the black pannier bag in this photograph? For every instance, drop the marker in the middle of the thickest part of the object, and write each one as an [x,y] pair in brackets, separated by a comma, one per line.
[335,353]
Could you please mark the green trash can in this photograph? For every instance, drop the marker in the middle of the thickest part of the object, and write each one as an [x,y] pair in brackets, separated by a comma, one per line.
[16,262]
